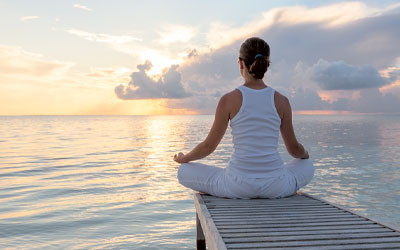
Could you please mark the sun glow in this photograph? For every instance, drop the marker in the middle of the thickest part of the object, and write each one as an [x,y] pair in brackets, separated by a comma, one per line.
[388,88]
[322,112]
[334,95]
[159,61]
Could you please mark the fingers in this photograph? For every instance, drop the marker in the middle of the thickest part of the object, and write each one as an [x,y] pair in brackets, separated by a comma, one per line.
[178,157]
[306,155]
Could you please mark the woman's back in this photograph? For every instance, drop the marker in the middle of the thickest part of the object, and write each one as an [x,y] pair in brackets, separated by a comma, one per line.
[257,113]
[255,132]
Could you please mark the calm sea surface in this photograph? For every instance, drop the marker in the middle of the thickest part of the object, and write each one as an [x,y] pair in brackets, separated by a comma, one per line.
[109,182]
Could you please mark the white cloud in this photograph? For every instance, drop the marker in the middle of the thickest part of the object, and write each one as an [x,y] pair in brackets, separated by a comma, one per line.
[133,46]
[18,62]
[341,76]
[82,7]
[347,35]
[330,16]
[141,86]
[108,72]
[108,76]
[26,18]
[103,38]
[299,37]
[176,33]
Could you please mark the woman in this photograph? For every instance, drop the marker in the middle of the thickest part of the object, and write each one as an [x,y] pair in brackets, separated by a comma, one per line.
[256,113]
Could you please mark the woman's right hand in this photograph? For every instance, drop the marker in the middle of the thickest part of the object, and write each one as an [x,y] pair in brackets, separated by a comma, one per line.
[179,158]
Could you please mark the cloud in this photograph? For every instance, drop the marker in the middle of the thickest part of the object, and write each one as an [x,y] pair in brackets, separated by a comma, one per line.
[330,16]
[142,86]
[108,72]
[373,101]
[133,46]
[341,76]
[307,99]
[355,50]
[82,7]
[103,38]
[103,76]
[26,18]
[391,73]
[18,62]
[201,104]
[176,33]
[356,42]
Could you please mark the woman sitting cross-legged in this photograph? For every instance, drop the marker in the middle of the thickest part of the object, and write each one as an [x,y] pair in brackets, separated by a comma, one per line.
[256,113]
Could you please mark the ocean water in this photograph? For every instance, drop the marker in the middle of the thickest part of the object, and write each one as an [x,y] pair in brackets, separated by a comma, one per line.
[109,182]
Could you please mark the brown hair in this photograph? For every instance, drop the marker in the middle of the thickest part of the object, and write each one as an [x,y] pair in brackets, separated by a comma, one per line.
[255,54]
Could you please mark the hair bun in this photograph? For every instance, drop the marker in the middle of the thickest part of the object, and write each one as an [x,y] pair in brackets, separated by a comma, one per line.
[250,51]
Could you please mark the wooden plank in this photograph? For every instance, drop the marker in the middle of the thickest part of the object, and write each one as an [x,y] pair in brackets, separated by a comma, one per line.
[373,246]
[293,217]
[276,202]
[349,242]
[290,214]
[295,197]
[261,206]
[200,239]
[212,207]
[283,204]
[273,225]
[305,232]
[243,210]
[291,224]
[271,202]
[213,238]
[300,198]
[388,225]
[283,221]
[277,214]
[300,229]
[310,237]
[300,221]
[294,208]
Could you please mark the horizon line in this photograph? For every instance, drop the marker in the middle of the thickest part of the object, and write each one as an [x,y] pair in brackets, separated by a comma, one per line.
[295,112]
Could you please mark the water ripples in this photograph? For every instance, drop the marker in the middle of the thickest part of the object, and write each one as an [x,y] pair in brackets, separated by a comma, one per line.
[106,182]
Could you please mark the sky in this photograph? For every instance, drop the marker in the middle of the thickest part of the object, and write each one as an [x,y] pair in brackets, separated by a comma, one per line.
[99,57]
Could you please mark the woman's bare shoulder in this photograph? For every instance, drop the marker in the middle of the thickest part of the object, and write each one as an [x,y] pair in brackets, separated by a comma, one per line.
[232,96]
[281,103]
[280,99]
[234,93]
[232,101]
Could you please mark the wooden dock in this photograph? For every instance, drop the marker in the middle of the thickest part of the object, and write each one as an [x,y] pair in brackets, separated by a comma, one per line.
[297,222]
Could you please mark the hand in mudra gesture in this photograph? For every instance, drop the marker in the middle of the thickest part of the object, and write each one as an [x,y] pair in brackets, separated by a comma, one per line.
[179,158]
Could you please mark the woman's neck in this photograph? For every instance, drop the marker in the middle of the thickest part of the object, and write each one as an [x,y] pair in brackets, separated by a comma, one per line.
[254,83]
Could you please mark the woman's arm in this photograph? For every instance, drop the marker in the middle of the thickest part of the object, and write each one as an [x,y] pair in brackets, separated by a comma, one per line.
[293,147]
[215,135]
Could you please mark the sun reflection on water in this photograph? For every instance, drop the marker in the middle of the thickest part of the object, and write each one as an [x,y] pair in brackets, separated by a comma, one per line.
[110,182]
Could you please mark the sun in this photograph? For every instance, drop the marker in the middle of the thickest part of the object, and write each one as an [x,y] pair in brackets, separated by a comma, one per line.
[160,62]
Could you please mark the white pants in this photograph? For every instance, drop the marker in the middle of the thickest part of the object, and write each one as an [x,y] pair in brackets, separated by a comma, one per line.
[220,182]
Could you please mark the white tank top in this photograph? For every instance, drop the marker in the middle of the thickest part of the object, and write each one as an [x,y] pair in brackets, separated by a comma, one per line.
[255,134]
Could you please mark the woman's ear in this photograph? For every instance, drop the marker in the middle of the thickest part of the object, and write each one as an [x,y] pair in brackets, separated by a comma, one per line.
[241,66]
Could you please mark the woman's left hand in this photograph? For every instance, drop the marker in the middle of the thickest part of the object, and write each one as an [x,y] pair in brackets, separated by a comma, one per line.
[179,158]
